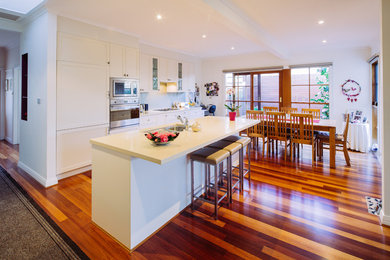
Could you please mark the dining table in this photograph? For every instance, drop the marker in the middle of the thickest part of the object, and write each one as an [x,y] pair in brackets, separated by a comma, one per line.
[329,126]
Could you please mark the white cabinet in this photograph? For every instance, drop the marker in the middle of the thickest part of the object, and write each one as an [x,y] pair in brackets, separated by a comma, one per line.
[167,70]
[146,75]
[148,121]
[73,147]
[82,95]
[188,77]
[81,50]
[124,61]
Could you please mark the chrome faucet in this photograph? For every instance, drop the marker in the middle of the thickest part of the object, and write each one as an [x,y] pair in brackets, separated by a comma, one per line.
[183,121]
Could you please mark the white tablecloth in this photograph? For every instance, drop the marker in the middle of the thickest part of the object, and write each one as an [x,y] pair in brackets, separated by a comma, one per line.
[359,138]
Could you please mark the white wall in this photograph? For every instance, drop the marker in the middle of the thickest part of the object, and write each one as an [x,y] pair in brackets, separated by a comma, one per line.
[3,61]
[347,64]
[37,145]
[384,95]
[13,58]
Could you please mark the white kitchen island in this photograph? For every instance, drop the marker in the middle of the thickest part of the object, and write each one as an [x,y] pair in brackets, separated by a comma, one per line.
[137,187]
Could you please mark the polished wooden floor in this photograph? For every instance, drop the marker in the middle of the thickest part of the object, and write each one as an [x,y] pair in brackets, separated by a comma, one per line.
[290,210]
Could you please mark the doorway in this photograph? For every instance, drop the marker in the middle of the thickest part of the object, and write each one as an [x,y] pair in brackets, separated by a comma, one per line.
[374,91]
[9,79]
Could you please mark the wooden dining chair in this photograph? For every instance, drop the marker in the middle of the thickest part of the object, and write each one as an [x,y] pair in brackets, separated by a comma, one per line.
[341,141]
[276,127]
[257,131]
[270,109]
[289,110]
[315,112]
[302,132]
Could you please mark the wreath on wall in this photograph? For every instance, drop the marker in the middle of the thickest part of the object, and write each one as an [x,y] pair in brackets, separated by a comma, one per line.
[351,89]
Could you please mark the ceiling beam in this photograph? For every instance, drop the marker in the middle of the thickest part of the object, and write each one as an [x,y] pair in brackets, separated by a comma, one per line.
[247,27]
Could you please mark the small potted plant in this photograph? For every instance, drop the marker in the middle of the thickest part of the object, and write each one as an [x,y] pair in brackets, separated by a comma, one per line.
[232,114]
[233,108]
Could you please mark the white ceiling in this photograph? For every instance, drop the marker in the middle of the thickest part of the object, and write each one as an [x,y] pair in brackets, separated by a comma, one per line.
[8,39]
[278,26]
[19,6]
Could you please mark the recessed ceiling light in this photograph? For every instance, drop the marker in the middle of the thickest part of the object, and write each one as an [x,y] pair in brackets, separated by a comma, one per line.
[232,48]
[324,41]
[321,22]
[159,17]
[204,36]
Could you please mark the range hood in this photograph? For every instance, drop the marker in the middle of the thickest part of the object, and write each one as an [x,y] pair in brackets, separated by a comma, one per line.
[168,87]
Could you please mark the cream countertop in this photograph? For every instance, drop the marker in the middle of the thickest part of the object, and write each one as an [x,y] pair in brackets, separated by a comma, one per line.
[137,145]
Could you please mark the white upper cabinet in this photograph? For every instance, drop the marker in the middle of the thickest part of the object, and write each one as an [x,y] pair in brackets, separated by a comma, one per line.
[124,61]
[82,95]
[116,61]
[82,50]
[188,77]
[132,62]
[167,70]
[146,75]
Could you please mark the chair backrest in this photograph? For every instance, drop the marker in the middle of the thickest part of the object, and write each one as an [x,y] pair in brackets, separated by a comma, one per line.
[276,124]
[270,109]
[315,112]
[345,134]
[212,109]
[256,130]
[289,110]
[301,126]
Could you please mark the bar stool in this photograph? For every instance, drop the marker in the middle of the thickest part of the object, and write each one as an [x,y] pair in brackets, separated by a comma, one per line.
[214,157]
[245,143]
[232,148]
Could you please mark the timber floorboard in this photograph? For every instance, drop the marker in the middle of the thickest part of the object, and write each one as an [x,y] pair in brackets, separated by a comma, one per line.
[290,210]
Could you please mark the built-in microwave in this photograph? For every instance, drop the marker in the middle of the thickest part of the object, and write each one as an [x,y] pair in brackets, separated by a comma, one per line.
[122,87]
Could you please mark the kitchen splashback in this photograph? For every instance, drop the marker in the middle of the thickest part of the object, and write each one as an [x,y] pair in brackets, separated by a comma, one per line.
[161,100]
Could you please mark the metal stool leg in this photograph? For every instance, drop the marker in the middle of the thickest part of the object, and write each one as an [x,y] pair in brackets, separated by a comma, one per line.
[192,184]
[216,191]
[241,169]
[206,181]
[230,180]
[249,161]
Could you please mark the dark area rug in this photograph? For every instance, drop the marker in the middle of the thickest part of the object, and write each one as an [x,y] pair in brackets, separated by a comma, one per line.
[26,231]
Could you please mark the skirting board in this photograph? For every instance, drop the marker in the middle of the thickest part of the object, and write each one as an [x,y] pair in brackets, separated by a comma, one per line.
[385,220]
[74,172]
[9,140]
[45,182]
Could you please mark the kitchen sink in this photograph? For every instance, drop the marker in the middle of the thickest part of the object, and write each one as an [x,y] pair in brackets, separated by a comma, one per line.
[171,128]
[177,128]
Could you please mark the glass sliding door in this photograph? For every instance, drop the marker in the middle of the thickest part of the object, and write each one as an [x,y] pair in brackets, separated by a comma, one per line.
[253,91]
[243,90]
[266,90]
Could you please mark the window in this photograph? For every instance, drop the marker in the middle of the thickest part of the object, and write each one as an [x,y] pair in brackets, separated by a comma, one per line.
[252,91]
[310,88]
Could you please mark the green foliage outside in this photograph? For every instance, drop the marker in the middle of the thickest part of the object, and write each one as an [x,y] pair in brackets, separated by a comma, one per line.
[323,94]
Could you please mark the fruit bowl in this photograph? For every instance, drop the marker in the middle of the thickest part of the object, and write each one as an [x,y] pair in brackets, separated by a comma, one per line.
[161,138]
